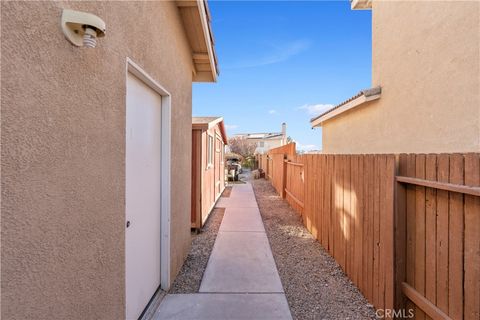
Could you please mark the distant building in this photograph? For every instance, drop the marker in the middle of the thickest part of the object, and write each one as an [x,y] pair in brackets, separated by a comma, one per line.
[268,140]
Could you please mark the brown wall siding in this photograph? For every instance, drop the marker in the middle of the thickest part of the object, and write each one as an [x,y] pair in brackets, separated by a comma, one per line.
[210,194]
[196,175]
[207,190]
[63,151]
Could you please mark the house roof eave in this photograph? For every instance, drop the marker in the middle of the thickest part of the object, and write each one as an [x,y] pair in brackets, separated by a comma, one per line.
[195,16]
[205,123]
[352,102]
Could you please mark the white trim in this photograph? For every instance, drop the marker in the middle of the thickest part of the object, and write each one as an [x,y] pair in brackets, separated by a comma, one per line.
[347,106]
[211,154]
[361,4]
[206,126]
[138,72]
[208,40]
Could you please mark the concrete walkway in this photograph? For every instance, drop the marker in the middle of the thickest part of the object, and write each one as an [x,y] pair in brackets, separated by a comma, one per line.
[241,280]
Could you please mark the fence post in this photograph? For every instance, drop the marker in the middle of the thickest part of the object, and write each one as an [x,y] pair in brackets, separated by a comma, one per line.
[400,234]
[284,178]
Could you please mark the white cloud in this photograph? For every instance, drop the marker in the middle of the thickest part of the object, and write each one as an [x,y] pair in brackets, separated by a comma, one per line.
[272,111]
[316,109]
[307,147]
[280,53]
[231,126]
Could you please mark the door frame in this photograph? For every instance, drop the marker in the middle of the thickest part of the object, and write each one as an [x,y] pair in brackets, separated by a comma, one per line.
[137,71]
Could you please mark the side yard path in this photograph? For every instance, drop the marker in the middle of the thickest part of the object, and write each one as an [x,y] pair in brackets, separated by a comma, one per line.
[241,280]
[190,276]
[315,285]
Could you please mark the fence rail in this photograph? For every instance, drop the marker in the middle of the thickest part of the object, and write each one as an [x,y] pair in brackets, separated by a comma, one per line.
[294,185]
[439,234]
[404,228]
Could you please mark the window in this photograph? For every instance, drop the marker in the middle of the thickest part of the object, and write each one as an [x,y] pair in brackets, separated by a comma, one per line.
[261,144]
[210,151]
[222,150]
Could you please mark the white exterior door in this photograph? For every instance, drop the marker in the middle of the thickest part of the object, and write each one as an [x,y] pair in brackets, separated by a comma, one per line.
[143,194]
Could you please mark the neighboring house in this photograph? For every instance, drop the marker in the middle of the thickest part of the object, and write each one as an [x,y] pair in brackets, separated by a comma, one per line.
[208,169]
[266,141]
[96,153]
[426,60]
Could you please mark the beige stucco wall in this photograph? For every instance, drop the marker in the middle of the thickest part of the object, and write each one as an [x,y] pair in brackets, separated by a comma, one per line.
[267,144]
[63,151]
[426,57]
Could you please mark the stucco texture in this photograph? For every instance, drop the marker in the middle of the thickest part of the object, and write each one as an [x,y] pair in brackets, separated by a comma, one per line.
[63,153]
[426,57]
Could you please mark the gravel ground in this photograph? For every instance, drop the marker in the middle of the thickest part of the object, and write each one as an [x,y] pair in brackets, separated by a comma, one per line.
[226,192]
[190,276]
[315,285]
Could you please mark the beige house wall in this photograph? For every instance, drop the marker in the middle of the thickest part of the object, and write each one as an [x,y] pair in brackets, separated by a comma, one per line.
[426,58]
[63,153]
[267,144]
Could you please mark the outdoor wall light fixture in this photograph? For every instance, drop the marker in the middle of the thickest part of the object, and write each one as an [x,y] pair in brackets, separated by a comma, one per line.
[81,28]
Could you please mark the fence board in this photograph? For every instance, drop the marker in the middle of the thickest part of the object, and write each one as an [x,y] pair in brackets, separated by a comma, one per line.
[400,233]
[410,215]
[430,230]
[376,232]
[345,214]
[455,245]
[420,232]
[276,174]
[442,235]
[354,220]
[369,182]
[389,233]
[385,231]
[310,184]
[316,222]
[330,202]
[472,240]
[322,218]
[338,189]
[359,234]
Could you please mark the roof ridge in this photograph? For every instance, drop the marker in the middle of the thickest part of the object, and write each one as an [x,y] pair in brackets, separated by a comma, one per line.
[365,92]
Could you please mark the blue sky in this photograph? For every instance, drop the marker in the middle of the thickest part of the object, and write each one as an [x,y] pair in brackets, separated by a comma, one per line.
[284,62]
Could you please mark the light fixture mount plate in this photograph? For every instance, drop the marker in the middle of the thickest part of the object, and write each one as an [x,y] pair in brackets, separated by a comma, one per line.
[74,24]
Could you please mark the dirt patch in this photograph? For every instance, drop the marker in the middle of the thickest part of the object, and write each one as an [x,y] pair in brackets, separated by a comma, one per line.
[190,276]
[226,193]
[315,285]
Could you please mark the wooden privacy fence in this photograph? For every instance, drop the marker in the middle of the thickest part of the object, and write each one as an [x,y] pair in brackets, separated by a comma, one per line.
[288,149]
[294,184]
[276,172]
[276,155]
[405,229]
[339,199]
[438,232]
